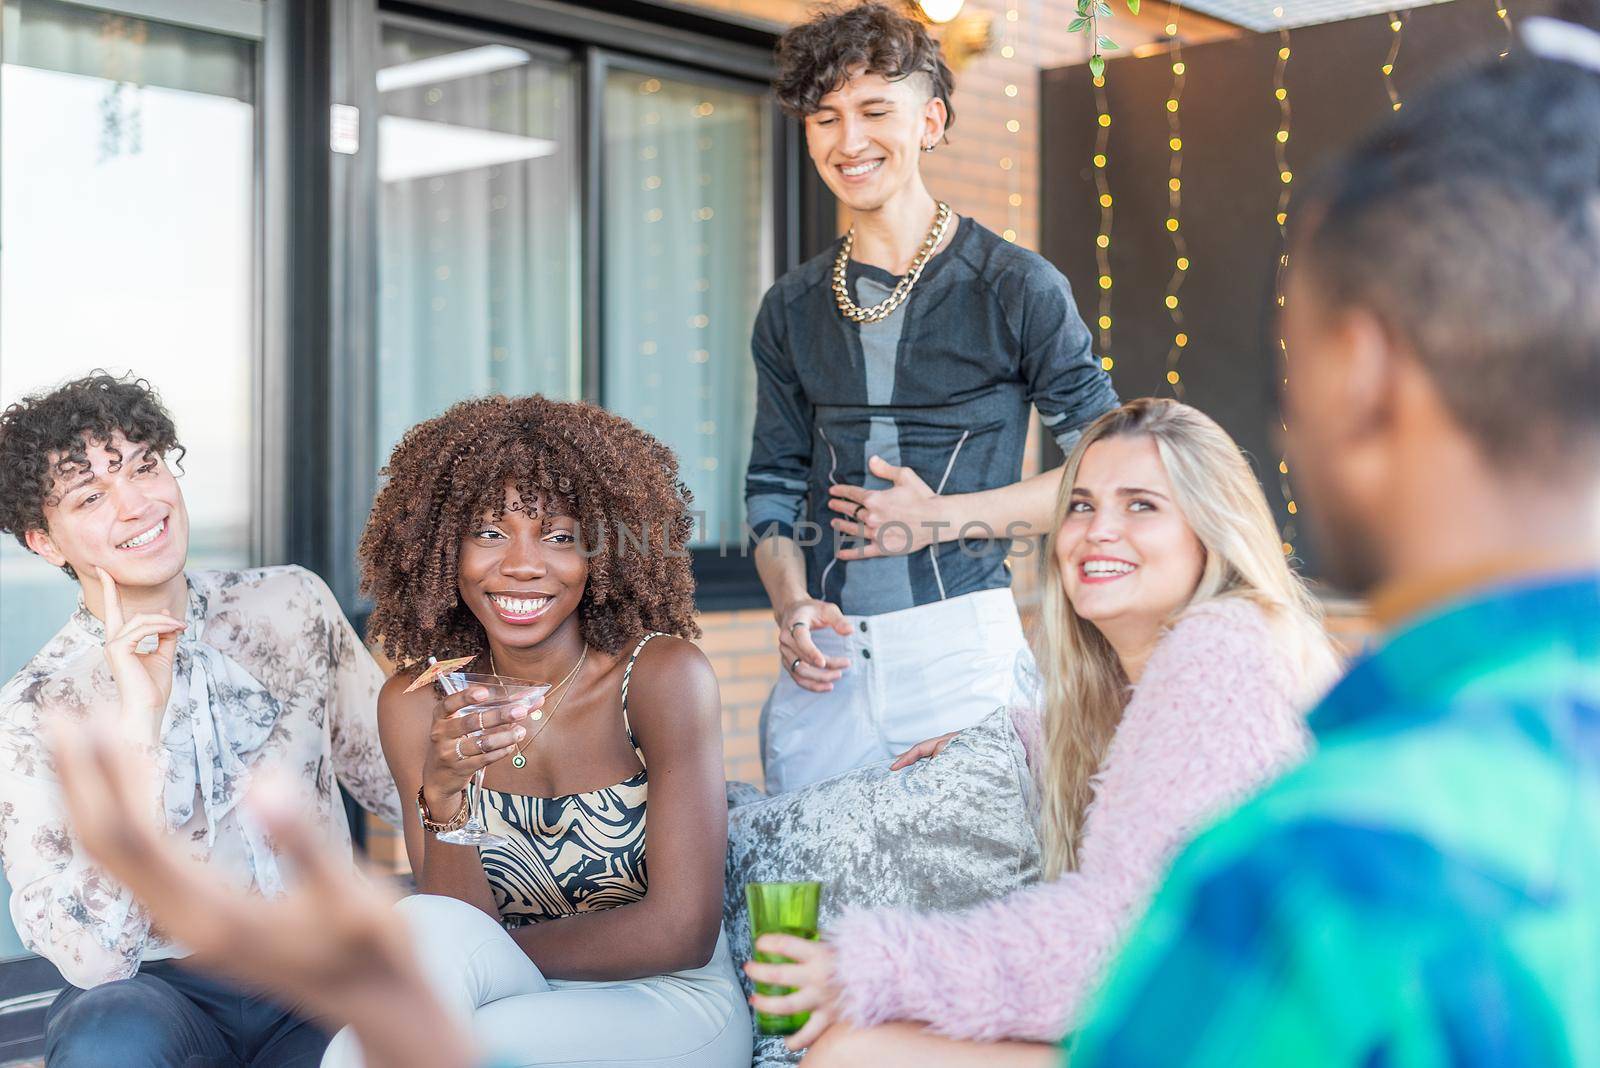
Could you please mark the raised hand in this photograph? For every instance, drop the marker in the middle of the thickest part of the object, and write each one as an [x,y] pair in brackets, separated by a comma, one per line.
[144,680]
[461,746]
[330,944]
[810,668]
[901,518]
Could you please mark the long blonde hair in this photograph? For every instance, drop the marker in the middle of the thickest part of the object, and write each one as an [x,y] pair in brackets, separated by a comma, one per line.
[1084,686]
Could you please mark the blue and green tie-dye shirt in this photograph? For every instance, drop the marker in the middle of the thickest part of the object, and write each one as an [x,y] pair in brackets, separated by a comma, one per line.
[1424,891]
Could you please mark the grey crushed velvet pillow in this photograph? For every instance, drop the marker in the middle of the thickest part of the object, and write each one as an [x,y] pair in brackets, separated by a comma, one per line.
[942,834]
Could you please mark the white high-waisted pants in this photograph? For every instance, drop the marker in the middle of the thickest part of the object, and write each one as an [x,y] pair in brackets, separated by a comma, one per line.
[691,1019]
[914,674]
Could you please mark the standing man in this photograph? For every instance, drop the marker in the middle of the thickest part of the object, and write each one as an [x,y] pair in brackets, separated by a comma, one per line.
[211,674]
[895,373]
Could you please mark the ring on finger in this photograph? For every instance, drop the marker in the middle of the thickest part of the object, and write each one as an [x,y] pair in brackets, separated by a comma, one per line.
[459,754]
[793,664]
[797,624]
[856,515]
[480,721]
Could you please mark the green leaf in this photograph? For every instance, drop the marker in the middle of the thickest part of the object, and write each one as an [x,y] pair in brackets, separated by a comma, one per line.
[1133,7]
[1077,24]
[1083,7]
[1103,8]
[1108,44]
[1097,65]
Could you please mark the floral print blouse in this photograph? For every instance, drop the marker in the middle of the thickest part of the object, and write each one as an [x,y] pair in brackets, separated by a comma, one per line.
[268,673]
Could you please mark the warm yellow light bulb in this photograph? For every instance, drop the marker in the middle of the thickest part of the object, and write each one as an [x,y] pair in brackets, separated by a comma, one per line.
[1288,550]
[1105,322]
[1282,218]
[1099,159]
[1011,90]
[1181,340]
[1172,300]
[1178,68]
[1099,81]
[1104,240]
[1105,281]
[1105,200]
[1007,51]
[1174,184]
[1013,125]
[1294,509]
[1105,120]
[1176,144]
[1016,200]
[1172,376]
[1397,105]
[941,10]
[1395,25]
[1283,53]
[1172,105]
[1281,94]
[1283,467]
[1283,137]
[1009,235]
[1106,363]
[1172,29]
[1183,263]
[1388,69]
[1287,177]
[1172,226]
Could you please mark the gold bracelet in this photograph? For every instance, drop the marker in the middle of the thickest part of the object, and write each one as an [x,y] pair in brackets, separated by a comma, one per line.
[454,823]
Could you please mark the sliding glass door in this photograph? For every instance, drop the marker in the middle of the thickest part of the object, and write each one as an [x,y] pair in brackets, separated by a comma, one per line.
[478,170]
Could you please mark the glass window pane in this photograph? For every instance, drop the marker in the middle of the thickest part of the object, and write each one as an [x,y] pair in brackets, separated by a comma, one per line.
[688,253]
[127,220]
[478,248]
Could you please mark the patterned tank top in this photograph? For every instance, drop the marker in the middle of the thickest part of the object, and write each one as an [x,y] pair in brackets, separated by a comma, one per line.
[570,854]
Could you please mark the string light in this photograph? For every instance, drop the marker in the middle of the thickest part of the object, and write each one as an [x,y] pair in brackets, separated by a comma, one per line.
[1397,25]
[1014,127]
[1505,20]
[1280,150]
[1180,248]
[1102,241]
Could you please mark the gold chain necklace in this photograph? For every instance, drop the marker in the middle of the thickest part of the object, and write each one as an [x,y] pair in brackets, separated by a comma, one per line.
[885,307]
[517,759]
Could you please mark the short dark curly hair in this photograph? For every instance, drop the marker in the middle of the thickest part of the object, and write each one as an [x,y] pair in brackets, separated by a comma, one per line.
[819,55]
[46,436]
[579,460]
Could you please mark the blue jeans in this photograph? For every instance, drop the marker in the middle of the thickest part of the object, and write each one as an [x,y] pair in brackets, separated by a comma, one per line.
[169,1016]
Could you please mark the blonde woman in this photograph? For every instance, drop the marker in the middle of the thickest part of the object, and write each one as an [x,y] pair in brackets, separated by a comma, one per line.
[1177,650]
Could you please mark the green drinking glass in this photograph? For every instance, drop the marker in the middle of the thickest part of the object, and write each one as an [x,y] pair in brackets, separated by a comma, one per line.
[781,908]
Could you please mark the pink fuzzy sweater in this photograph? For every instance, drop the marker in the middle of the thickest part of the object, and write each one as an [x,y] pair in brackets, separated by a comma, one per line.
[1213,718]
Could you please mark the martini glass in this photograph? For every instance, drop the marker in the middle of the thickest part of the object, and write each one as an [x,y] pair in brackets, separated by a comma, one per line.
[504,693]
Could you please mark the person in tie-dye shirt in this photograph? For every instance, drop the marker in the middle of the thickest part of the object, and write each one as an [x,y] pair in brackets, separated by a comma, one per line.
[1426,890]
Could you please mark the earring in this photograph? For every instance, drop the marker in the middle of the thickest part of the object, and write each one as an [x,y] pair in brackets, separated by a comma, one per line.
[927,148]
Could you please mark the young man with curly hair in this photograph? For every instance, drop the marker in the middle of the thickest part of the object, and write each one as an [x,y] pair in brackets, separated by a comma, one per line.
[895,373]
[547,540]
[211,673]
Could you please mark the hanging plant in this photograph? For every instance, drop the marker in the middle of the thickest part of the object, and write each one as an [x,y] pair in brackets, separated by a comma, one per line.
[1090,12]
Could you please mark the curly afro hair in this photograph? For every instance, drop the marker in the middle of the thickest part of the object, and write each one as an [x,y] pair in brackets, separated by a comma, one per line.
[46,436]
[618,482]
[819,55]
